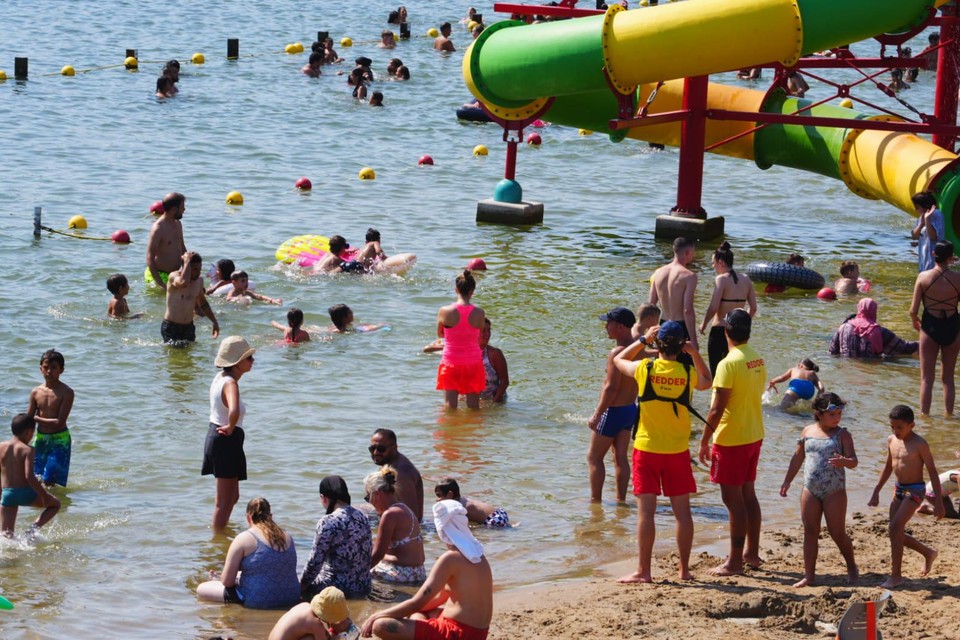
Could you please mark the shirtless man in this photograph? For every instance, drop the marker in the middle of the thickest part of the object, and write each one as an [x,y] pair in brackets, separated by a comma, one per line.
[165,244]
[461,578]
[184,295]
[383,450]
[20,487]
[443,41]
[613,420]
[673,288]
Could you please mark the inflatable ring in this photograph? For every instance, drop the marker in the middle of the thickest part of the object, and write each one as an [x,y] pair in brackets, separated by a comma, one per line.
[472,114]
[308,250]
[783,274]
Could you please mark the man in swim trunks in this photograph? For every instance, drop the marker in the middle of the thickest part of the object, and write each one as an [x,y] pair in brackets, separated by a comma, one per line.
[460,580]
[184,295]
[673,287]
[616,414]
[383,450]
[443,41]
[165,244]
[20,486]
[735,421]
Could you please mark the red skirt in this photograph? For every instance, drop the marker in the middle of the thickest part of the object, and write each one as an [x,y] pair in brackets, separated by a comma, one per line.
[462,378]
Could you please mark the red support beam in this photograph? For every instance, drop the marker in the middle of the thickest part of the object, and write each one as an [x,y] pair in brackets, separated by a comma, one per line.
[539,10]
[646,121]
[693,130]
[842,123]
[948,79]
[510,168]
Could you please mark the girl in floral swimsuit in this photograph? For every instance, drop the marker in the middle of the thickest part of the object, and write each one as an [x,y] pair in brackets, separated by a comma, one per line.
[824,450]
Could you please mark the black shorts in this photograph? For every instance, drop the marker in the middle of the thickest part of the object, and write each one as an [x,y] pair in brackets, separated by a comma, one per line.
[717,348]
[223,456]
[174,332]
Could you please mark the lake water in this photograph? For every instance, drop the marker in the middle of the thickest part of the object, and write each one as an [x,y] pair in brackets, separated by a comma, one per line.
[133,539]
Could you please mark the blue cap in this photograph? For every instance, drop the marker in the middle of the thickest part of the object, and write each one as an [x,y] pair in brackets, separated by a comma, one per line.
[671,329]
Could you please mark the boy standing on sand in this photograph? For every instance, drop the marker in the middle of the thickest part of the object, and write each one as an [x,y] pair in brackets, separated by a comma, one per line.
[616,412]
[49,406]
[907,455]
[20,487]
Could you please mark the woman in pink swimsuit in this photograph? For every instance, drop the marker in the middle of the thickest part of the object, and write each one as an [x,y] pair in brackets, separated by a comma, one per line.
[461,366]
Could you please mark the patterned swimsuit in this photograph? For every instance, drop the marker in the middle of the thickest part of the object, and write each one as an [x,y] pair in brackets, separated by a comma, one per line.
[820,477]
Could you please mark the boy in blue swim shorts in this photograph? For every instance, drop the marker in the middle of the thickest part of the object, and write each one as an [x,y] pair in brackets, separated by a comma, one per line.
[50,405]
[20,487]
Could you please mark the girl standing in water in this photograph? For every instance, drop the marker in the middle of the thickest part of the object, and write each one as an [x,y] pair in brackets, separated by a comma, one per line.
[461,365]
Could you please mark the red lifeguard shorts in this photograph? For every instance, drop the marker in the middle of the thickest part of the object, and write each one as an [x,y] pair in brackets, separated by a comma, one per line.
[462,378]
[446,629]
[735,465]
[670,471]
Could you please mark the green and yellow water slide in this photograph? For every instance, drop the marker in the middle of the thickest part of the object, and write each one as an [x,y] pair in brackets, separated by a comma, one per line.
[514,69]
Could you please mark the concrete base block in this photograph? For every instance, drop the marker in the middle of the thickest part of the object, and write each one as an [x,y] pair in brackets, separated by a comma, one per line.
[508,213]
[670,227]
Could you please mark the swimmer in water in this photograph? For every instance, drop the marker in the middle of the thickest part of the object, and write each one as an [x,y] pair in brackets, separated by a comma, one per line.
[342,317]
[372,251]
[376,99]
[221,276]
[293,333]
[241,292]
[393,65]
[312,68]
[804,383]
[796,260]
[387,40]
[848,284]
[165,87]
[117,285]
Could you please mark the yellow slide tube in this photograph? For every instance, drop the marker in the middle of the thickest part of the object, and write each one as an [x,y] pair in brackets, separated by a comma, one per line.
[695,38]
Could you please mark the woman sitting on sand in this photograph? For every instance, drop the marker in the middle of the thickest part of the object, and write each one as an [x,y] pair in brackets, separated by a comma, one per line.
[261,567]
[861,337]
[398,549]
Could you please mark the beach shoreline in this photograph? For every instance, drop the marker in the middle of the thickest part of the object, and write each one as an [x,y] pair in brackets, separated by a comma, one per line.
[761,604]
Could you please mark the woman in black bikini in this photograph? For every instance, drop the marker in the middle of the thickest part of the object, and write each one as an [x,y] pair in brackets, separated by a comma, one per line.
[939,290]
[732,291]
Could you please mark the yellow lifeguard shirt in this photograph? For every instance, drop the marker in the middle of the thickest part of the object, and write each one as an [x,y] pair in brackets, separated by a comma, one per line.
[661,430]
[744,373]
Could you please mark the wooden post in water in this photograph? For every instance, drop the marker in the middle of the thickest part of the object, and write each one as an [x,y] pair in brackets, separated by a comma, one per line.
[322,36]
[233,48]
[37,223]
[20,68]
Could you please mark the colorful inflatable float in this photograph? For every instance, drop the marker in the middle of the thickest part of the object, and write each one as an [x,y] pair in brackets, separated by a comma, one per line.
[308,250]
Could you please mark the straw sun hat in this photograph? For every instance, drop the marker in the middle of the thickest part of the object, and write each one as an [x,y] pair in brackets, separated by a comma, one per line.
[330,605]
[232,350]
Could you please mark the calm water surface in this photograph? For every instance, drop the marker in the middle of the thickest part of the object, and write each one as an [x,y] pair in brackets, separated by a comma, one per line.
[133,538]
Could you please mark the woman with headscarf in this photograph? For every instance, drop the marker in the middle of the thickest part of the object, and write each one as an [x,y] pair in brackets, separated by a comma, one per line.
[860,336]
[341,549]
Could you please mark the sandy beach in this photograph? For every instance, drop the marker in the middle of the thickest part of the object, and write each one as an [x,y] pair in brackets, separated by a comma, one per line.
[759,605]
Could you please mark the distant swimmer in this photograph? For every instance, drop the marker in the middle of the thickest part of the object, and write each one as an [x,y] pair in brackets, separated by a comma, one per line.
[165,87]
[673,287]
[376,99]
[241,291]
[403,73]
[49,406]
[184,296]
[117,285]
[387,40]
[165,246]
[20,486]
[293,333]
[342,317]
[312,68]
[393,65]
[443,41]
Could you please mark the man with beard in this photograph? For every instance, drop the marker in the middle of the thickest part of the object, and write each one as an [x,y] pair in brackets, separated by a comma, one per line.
[184,295]
[383,450]
[165,244]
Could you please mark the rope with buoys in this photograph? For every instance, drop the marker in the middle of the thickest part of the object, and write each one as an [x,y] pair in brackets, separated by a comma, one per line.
[78,236]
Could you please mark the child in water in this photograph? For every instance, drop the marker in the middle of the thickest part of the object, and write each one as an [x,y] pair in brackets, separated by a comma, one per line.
[478,512]
[387,41]
[907,455]
[20,487]
[796,260]
[117,285]
[376,99]
[242,293]
[825,450]
[342,317]
[848,284]
[371,251]
[804,383]
[293,333]
[50,404]
[222,272]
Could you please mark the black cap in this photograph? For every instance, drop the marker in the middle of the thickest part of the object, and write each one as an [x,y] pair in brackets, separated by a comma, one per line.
[620,314]
[738,319]
[334,488]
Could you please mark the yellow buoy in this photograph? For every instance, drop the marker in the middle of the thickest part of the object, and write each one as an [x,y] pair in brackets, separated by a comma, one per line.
[433,33]
[644,3]
[480,150]
[471,25]
[77,222]
[235,197]
[290,48]
[299,46]
[367,174]
[131,63]
[585,132]
[197,58]
[346,42]
[846,103]
[68,71]
[3,75]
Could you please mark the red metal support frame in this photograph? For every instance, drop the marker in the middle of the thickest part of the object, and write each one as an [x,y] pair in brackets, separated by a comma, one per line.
[693,132]
[540,10]
[948,78]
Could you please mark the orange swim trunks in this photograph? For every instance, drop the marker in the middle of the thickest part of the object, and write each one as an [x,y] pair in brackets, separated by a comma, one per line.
[462,378]
[446,629]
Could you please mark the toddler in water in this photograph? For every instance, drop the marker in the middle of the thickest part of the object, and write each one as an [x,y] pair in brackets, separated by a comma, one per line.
[242,293]
[804,383]
[293,333]
[479,512]
[117,285]
[825,450]
[342,317]
[20,487]
[796,260]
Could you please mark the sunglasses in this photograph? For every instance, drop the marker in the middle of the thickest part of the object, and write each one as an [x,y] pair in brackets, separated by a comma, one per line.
[379,448]
[831,406]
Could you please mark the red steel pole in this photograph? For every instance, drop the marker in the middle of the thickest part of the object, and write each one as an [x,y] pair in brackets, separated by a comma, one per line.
[510,170]
[948,77]
[692,140]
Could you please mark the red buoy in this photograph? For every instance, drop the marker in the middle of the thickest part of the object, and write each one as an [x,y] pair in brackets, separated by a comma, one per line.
[534,139]
[425,159]
[120,237]
[304,184]
[157,208]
